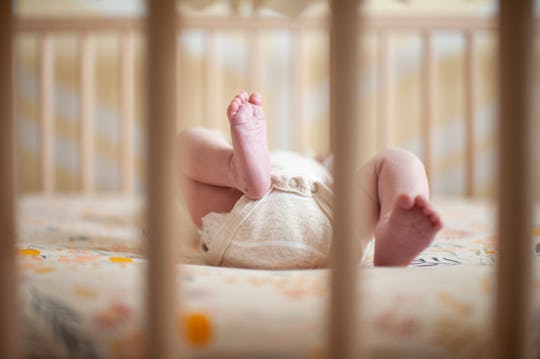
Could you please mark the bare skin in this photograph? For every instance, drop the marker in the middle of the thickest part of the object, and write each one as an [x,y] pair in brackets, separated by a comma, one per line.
[407,229]
[250,159]
[215,174]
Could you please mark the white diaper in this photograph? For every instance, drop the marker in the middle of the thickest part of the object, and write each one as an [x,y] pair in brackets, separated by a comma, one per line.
[290,227]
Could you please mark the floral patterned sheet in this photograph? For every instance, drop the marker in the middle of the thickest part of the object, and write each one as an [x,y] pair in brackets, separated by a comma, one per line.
[82,272]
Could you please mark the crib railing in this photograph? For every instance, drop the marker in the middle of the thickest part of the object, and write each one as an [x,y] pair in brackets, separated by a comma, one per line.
[128,28]
[161,283]
[87,75]
[344,336]
[513,268]
[513,332]
[9,323]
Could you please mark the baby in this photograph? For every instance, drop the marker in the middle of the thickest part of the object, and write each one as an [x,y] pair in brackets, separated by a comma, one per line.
[258,209]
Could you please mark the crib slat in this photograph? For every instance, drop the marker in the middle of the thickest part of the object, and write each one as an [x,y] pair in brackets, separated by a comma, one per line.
[428,104]
[87,75]
[343,331]
[9,323]
[298,90]
[127,103]
[513,304]
[181,94]
[331,80]
[47,135]
[470,111]
[255,80]
[161,285]
[214,117]
[385,87]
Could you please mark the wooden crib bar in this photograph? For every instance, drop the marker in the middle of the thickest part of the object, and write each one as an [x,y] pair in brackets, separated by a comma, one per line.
[162,283]
[428,101]
[46,112]
[126,67]
[513,329]
[343,332]
[9,318]
[255,68]
[470,111]
[437,23]
[87,78]
[213,80]
[384,95]
[298,90]
[513,268]
[254,27]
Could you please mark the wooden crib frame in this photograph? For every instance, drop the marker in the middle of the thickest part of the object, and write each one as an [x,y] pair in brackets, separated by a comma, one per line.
[515,24]
[127,28]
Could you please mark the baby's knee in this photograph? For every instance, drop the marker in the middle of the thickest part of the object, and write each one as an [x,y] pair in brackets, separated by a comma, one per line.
[185,136]
[398,152]
[400,155]
[191,132]
[195,137]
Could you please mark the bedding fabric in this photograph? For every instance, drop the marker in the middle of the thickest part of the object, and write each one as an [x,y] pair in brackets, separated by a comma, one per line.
[82,272]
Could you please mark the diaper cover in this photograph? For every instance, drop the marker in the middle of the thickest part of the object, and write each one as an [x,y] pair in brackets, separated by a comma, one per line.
[289,228]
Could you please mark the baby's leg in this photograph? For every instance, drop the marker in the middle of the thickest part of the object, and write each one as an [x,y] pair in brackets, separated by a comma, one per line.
[250,164]
[214,174]
[407,223]
[201,199]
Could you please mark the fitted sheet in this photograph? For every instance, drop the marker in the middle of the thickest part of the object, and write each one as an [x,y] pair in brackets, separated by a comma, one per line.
[82,273]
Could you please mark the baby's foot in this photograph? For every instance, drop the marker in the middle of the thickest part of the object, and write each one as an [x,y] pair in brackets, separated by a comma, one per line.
[250,163]
[405,231]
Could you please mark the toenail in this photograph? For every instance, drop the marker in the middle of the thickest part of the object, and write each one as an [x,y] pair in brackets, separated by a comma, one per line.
[314,188]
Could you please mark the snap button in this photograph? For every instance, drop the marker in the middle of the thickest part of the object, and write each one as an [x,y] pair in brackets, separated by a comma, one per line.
[293,182]
[314,187]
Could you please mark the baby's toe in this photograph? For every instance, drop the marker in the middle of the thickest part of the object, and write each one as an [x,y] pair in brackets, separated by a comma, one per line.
[238,100]
[243,96]
[233,108]
[404,201]
[256,99]
[421,201]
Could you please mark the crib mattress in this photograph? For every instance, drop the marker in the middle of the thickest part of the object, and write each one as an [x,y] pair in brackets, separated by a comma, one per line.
[82,273]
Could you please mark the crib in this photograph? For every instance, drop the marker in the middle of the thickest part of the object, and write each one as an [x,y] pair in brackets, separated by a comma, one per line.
[78,280]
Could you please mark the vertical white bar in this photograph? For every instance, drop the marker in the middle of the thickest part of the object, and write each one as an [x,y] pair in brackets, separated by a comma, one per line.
[344,303]
[162,329]
[213,79]
[179,88]
[470,110]
[513,319]
[428,101]
[9,322]
[385,89]
[254,43]
[127,96]
[46,112]
[298,90]
[86,110]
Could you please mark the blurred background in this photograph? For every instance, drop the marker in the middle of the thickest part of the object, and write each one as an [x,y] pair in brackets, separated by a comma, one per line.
[214,65]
